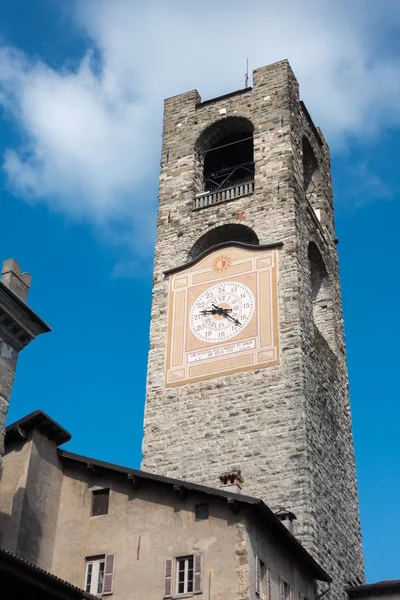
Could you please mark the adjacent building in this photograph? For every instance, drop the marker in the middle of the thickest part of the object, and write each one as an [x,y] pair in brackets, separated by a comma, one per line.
[384,590]
[112,530]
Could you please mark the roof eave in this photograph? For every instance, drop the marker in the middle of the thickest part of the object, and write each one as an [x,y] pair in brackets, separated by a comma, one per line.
[291,543]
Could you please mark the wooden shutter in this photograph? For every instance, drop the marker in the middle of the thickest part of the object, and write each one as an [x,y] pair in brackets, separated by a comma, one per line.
[269,585]
[197,588]
[168,578]
[258,582]
[109,574]
[100,500]
[282,588]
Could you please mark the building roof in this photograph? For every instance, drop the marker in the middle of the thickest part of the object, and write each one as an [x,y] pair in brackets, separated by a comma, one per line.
[37,420]
[374,589]
[40,420]
[25,573]
[255,505]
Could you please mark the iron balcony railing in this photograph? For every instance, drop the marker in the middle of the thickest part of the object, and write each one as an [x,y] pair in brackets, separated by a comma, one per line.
[219,195]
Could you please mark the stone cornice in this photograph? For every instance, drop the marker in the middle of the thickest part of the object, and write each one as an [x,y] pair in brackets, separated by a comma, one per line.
[219,247]
[19,323]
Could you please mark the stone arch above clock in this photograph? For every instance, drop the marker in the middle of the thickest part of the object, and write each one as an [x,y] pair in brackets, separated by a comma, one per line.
[222,315]
[231,232]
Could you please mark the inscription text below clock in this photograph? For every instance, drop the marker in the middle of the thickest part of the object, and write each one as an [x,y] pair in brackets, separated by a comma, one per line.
[221,311]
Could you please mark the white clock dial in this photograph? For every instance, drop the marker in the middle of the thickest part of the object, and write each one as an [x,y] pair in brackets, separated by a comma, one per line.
[237,302]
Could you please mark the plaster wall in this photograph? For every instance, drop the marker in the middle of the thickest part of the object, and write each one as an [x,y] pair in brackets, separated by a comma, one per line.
[29,502]
[144,527]
[13,486]
[280,564]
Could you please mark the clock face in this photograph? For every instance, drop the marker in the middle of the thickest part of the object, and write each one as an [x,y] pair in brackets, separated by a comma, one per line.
[222,315]
[221,311]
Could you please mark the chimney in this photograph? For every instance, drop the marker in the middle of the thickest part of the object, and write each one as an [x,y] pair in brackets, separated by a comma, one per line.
[286,517]
[231,481]
[12,277]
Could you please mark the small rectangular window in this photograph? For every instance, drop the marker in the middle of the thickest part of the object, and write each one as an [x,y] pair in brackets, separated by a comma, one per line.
[100,501]
[202,512]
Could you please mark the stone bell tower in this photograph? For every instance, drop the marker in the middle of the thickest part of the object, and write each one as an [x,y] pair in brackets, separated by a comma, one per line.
[247,364]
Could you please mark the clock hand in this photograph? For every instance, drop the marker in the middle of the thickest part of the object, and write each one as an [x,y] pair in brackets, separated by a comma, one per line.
[220,311]
[232,318]
[223,311]
[215,311]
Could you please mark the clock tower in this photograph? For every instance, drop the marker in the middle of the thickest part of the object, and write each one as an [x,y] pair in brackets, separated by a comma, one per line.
[247,364]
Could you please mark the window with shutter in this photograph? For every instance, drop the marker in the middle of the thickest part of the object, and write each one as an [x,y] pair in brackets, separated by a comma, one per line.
[99,575]
[188,575]
[109,574]
[100,501]
[285,589]
[263,579]
[282,589]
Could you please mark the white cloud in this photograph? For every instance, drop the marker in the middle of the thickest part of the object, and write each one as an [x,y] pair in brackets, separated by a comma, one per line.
[90,138]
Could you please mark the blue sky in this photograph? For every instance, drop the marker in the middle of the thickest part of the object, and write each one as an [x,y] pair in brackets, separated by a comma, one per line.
[81,89]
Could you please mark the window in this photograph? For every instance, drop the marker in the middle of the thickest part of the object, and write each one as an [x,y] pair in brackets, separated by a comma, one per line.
[100,574]
[314,187]
[286,592]
[95,576]
[202,512]
[100,500]
[321,296]
[263,580]
[183,575]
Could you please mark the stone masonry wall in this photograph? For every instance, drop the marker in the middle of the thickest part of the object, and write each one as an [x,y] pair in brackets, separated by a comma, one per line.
[8,363]
[287,427]
[18,326]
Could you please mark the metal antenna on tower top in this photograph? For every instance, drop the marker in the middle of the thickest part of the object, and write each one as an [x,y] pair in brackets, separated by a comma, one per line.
[246,77]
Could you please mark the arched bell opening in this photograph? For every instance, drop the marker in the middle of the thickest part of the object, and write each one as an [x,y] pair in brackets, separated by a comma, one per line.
[226,154]
[312,180]
[233,232]
[321,295]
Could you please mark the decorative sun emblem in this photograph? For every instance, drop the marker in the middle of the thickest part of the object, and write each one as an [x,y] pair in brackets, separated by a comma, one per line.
[222,263]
